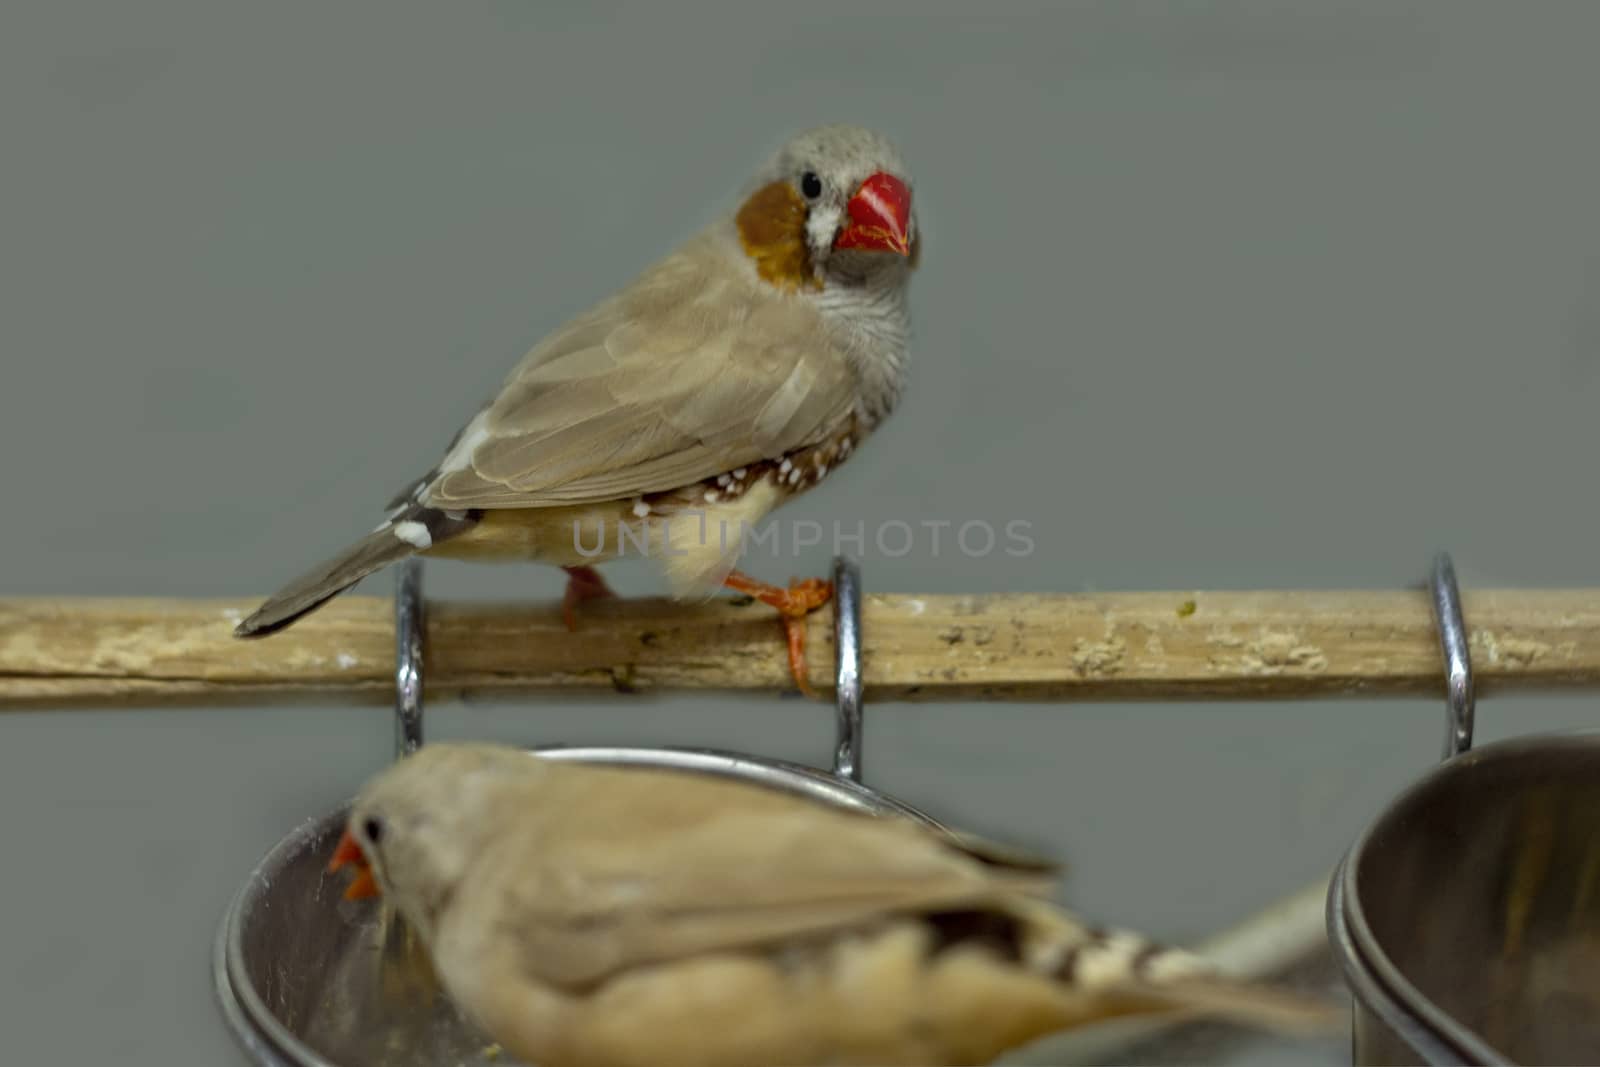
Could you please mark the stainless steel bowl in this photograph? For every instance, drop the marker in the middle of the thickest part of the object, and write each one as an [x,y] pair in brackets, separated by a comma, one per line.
[310,980]
[1467,918]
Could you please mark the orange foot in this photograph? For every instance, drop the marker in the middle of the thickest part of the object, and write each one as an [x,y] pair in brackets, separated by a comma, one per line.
[583,583]
[803,596]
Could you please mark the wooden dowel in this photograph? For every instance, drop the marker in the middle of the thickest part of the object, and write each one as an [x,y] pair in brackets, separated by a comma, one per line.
[1120,646]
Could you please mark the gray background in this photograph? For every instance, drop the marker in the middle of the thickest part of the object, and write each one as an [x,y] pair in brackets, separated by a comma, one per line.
[1217,296]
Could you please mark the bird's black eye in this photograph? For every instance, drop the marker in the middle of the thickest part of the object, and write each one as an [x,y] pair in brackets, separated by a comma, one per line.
[811,185]
[372,829]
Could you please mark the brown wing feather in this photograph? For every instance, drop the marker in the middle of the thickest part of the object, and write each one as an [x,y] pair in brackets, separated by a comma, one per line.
[690,864]
[694,370]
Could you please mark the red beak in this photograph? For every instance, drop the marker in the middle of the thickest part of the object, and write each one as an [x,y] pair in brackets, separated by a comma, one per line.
[880,216]
[348,852]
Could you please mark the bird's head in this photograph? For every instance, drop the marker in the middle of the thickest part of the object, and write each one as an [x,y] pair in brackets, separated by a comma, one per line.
[415,829]
[834,203]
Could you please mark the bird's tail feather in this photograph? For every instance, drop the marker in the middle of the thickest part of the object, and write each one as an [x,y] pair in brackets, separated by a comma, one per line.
[411,530]
[1124,974]
[1255,1004]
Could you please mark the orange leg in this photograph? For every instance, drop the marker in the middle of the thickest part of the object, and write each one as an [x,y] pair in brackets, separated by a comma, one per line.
[583,583]
[793,604]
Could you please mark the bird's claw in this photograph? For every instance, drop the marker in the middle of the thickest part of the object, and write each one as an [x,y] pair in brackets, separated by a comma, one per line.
[793,605]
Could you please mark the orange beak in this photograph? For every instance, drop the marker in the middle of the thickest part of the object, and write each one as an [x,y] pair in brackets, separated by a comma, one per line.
[880,216]
[348,852]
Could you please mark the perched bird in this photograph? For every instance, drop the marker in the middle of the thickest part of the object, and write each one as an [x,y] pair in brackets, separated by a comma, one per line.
[619,916]
[674,416]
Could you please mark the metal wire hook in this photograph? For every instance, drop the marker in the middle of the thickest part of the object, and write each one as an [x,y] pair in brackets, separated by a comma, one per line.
[410,623]
[1460,701]
[847,667]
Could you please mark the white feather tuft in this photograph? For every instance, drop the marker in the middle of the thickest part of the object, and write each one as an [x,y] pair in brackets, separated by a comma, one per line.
[413,533]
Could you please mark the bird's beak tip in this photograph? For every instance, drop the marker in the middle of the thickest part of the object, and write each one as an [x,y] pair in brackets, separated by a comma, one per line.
[364,887]
[880,217]
[348,853]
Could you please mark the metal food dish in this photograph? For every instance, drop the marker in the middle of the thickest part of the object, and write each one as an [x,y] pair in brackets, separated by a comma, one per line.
[1467,919]
[307,979]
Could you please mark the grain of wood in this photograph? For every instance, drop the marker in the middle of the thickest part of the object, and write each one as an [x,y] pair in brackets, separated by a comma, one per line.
[1056,647]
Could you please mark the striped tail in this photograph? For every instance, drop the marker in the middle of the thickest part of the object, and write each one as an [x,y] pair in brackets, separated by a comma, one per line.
[1114,973]
[412,529]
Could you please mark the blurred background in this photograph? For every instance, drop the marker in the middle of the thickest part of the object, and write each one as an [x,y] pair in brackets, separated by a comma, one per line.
[1226,295]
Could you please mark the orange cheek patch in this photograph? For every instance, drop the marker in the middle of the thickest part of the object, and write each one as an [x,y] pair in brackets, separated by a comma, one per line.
[772,228]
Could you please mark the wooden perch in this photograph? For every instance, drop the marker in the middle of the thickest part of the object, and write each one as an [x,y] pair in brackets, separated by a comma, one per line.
[1127,646]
